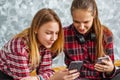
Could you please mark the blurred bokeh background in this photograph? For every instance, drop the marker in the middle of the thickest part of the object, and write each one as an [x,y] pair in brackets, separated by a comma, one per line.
[16,15]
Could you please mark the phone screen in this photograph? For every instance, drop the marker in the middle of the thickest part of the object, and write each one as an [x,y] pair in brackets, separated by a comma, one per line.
[75,65]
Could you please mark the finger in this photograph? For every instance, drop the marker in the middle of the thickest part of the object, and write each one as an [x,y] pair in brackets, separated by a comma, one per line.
[98,65]
[72,76]
[64,70]
[100,69]
[109,58]
[75,75]
[105,62]
[73,71]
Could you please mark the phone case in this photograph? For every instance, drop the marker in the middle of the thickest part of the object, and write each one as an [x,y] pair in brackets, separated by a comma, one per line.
[102,58]
[75,65]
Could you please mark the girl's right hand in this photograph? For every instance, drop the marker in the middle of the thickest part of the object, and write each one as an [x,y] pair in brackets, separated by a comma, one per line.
[65,75]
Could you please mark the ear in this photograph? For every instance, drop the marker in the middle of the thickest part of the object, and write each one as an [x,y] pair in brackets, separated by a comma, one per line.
[35,31]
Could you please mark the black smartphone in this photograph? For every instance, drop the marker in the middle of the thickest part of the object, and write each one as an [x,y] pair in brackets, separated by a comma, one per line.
[102,58]
[75,65]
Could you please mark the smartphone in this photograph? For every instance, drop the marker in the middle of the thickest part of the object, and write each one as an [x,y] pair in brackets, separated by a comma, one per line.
[102,58]
[75,65]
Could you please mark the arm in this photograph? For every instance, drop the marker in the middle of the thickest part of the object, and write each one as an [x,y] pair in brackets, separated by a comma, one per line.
[109,51]
[45,68]
[16,59]
[47,73]
[109,68]
[108,47]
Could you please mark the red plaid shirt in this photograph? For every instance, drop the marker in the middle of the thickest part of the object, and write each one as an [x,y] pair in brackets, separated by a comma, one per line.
[14,60]
[75,51]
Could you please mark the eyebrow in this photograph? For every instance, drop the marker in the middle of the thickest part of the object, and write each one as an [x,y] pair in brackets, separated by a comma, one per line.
[52,31]
[80,21]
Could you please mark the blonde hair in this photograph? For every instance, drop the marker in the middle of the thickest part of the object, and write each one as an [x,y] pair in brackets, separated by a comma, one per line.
[42,16]
[98,28]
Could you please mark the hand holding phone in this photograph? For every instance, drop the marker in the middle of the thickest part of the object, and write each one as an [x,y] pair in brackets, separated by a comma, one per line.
[75,65]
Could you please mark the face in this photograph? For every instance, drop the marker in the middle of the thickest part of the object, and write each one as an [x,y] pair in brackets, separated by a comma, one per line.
[47,34]
[82,20]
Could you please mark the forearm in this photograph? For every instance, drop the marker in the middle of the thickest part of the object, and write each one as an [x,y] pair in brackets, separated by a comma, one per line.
[46,75]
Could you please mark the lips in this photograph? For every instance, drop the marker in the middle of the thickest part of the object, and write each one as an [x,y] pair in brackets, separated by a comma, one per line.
[50,43]
[81,31]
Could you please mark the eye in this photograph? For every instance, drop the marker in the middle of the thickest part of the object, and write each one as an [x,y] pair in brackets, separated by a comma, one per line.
[48,33]
[57,33]
[76,22]
[86,22]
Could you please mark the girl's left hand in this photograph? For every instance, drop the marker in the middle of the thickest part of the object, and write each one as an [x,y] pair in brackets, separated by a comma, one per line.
[107,66]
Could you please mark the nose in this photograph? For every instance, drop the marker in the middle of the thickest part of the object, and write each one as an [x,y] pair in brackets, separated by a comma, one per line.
[53,37]
[81,26]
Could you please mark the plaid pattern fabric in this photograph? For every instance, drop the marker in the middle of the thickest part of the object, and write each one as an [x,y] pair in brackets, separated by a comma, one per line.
[74,51]
[14,60]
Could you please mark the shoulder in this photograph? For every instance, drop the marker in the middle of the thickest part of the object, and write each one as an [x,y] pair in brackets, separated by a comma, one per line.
[18,41]
[107,34]
[68,29]
[16,45]
[107,31]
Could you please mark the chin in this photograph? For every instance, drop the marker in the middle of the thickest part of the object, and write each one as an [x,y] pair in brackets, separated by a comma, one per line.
[83,33]
[49,46]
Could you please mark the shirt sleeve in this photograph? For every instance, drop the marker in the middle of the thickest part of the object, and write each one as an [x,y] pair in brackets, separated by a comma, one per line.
[45,68]
[108,47]
[14,58]
[88,69]
[109,51]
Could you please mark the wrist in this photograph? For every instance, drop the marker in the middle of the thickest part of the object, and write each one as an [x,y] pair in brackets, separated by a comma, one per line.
[111,72]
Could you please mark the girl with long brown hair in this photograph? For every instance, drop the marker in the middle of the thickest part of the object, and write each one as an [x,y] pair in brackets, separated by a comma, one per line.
[86,39]
[32,49]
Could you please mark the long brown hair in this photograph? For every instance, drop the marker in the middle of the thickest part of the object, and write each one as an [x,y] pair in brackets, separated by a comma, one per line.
[42,16]
[98,28]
